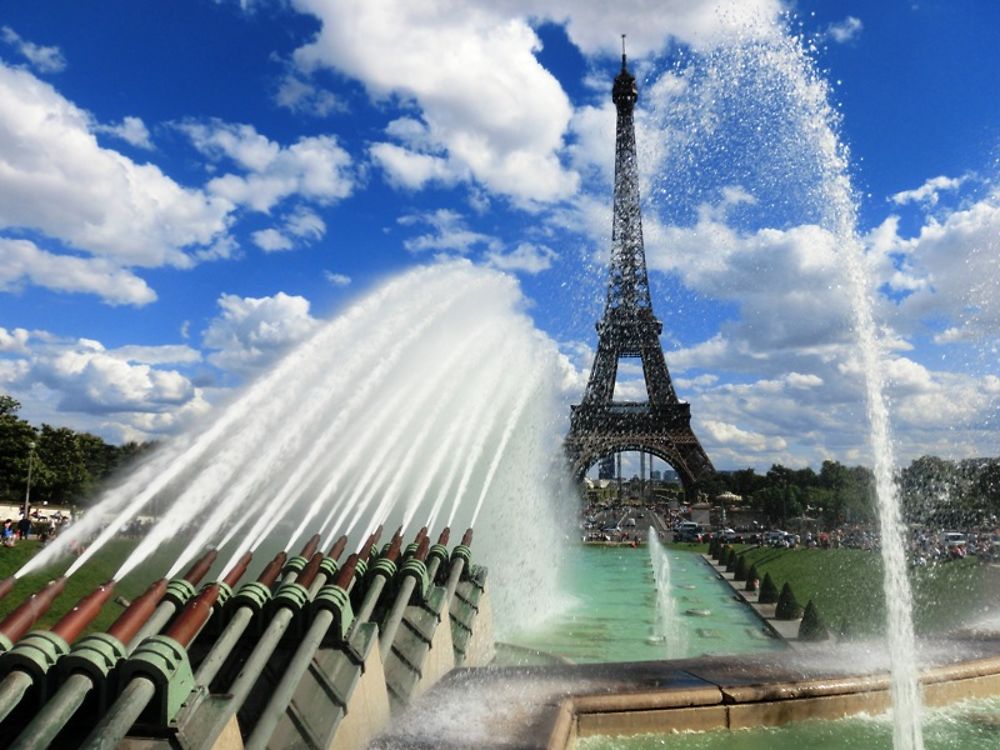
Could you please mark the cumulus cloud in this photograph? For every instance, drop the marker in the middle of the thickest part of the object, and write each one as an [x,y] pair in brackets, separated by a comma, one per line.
[844,31]
[449,234]
[952,267]
[314,168]
[14,340]
[928,192]
[42,58]
[251,332]
[271,240]
[526,257]
[132,130]
[729,434]
[22,261]
[302,224]
[131,214]
[83,377]
[489,108]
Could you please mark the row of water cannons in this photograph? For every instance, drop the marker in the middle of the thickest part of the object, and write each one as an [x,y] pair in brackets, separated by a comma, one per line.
[63,690]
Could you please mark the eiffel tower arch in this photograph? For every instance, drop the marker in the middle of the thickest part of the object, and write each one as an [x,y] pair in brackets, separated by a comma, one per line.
[661,425]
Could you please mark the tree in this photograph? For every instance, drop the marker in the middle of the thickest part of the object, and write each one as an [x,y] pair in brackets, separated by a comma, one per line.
[64,475]
[16,437]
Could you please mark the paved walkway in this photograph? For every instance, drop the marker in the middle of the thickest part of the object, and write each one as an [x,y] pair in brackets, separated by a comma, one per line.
[787,629]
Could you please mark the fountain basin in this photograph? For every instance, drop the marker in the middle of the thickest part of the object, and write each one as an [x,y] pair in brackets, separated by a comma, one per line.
[554,707]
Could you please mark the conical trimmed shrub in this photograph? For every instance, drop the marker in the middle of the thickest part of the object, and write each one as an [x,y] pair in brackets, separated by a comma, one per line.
[753,578]
[812,627]
[734,560]
[788,608]
[713,548]
[768,591]
[740,571]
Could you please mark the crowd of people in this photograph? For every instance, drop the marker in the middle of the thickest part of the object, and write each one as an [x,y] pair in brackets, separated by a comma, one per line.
[35,523]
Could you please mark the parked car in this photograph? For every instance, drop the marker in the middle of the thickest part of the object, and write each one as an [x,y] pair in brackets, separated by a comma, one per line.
[688,531]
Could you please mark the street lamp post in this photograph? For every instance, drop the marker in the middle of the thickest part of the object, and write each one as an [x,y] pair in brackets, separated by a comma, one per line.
[27,491]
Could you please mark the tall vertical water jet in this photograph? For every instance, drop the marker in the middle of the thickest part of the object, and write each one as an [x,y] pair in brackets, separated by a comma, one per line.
[666,628]
[751,147]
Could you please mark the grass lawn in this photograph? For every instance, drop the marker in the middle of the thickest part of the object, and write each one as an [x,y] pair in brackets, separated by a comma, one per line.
[96,571]
[846,585]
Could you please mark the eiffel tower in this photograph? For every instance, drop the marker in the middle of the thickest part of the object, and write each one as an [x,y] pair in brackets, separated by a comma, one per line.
[661,425]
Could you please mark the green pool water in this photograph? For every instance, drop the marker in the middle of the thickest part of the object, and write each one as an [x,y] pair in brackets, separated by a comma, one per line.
[612,611]
[974,725]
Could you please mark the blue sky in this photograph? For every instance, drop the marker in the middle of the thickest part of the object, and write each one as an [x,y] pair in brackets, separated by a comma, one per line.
[186,188]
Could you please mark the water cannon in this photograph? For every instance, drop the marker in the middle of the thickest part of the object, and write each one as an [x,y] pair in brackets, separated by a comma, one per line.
[179,591]
[338,547]
[413,582]
[6,585]
[29,663]
[438,553]
[411,548]
[295,565]
[18,622]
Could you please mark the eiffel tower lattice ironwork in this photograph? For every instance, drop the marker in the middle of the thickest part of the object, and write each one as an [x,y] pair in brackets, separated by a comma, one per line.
[661,426]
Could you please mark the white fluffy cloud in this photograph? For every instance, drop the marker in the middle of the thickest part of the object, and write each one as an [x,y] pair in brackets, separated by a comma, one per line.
[132,130]
[130,213]
[449,234]
[21,261]
[527,257]
[844,31]
[44,59]
[315,168]
[251,332]
[83,377]
[928,192]
[489,108]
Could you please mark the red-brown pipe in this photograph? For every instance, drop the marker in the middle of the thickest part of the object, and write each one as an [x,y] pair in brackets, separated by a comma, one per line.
[394,546]
[135,615]
[21,619]
[445,536]
[308,574]
[238,570]
[73,622]
[422,549]
[421,535]
[467,539]
[366,550]
[346,573]
[338,548]
[6,585]
[311,546]
[194,616]
[270,574]
[200,568]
